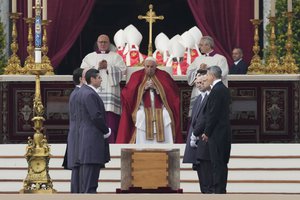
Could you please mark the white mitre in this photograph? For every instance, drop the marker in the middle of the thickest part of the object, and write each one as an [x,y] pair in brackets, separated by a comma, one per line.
[133,38]
[175,39]
[162,45]
[197,35]
[119,39]
[188,42]
[176,51]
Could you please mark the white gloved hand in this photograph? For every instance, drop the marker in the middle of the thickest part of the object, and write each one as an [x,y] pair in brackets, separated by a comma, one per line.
[193,137]
[193,143]
[194,140]
[107,134]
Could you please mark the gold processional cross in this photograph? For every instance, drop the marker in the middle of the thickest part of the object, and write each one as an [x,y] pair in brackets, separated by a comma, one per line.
[150,18]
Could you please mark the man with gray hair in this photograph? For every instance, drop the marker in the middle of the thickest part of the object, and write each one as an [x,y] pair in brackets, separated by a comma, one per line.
[207,58]
[217,132]
[150,107]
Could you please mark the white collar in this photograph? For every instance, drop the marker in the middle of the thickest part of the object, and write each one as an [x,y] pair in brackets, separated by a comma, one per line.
[237,62]
[214,83]
[93,88]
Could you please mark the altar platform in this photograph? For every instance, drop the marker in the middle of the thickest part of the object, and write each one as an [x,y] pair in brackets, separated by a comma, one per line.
[258,169]
[265,108]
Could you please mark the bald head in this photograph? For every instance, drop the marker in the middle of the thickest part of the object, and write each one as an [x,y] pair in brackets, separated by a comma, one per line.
[237,53]
[103,42]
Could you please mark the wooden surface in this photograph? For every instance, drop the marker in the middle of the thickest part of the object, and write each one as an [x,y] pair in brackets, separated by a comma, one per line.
[149,169]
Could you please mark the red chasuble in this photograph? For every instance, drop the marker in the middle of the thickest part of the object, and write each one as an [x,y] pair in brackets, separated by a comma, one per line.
[131,97]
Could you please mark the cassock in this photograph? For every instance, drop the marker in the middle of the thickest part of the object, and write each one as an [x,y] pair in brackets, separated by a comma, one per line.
[133,95]
[209,59]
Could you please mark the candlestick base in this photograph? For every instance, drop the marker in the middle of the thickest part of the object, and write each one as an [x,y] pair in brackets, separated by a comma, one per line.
[289,65]
[255,67]
[13,66]
[46,65]
[29,64]
[273,66]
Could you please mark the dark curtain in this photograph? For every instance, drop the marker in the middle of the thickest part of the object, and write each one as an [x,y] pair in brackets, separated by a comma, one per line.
[68,18]
[228,22]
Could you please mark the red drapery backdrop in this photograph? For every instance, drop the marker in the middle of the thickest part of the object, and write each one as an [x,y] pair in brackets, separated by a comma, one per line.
[68,18]
[228,22]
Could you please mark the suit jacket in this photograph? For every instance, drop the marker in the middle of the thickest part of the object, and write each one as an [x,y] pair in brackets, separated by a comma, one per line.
[192,154]
[217,126]
[71,156]
[240,68]
[93,148]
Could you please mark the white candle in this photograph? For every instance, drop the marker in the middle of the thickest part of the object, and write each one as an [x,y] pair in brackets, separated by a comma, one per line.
[273,10]
[44,9]
[14,6]
[256,9]
[290,6]
[29,9]
[38,56]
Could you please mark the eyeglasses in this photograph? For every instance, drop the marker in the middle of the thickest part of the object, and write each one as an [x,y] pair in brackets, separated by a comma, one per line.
[103,42]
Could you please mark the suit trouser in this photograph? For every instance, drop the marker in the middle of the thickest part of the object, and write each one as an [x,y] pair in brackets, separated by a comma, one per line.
[204,171]
[220,173]
[89,175]
[75,180]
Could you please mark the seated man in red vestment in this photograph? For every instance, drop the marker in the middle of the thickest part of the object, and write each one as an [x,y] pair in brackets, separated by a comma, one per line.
[150,107]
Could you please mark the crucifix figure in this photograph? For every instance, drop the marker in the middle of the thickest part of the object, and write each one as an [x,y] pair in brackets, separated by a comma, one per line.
[150,17]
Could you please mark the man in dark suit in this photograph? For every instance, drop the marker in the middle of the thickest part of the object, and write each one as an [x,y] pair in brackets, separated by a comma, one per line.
[71,155]
[196,151]
[93,131]
[217,128]
[239,66]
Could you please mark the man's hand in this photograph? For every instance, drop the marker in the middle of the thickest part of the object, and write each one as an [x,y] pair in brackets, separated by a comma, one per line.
[193,143]
[203,66]
[194,139]
[204,137]
[102,64]
[107,134]
[150,84]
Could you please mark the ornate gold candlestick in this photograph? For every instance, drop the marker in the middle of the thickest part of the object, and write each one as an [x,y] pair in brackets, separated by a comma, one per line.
[38,150]
[46,63]
[14,63]
[256,66]
[29,62]
[272,64]
[150,18]
[289,63]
